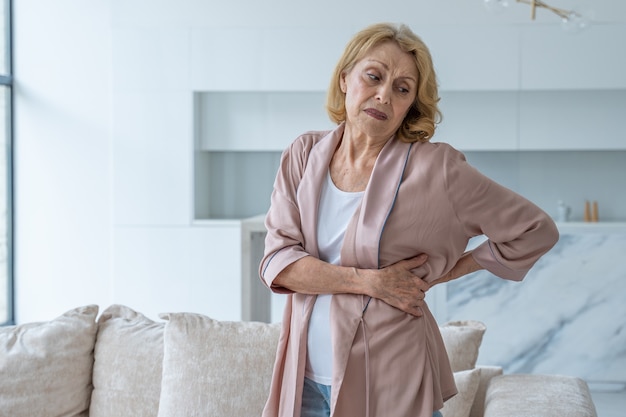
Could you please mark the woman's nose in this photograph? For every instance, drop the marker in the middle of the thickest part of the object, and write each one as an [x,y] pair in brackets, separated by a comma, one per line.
[384,93]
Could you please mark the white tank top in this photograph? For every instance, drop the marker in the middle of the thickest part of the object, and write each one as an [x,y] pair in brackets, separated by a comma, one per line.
[336,208]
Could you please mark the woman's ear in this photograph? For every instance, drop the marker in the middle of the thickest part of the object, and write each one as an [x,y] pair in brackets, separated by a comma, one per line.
[342,82]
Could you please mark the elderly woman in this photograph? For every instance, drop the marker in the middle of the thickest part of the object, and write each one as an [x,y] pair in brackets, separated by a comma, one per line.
[364,219]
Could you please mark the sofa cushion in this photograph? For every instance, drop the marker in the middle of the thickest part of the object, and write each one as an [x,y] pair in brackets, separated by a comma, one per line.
[521,395]
[462,340]
[467,383]
[214,368]
[128,363]
[45,367]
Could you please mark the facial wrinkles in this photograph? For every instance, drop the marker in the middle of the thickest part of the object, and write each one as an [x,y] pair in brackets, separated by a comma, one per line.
[389,75]
[399,72]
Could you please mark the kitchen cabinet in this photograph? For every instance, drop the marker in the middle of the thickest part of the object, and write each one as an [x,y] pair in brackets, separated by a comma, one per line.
[572,120]
[474,58]
[265,59]
[466,57]
[479,120]
[556,60]
[527,57]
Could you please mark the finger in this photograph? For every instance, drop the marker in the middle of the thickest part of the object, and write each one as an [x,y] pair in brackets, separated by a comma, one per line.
[421,258]
[416,311]
[423,286]
[418,260]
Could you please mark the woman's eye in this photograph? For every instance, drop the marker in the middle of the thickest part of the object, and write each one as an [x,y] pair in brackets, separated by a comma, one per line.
[403,90]
[372,77]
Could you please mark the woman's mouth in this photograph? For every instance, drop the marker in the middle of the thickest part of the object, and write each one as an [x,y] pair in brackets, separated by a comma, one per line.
[378,115]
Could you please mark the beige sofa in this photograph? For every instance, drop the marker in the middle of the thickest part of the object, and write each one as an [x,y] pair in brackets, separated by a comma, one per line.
[123,364]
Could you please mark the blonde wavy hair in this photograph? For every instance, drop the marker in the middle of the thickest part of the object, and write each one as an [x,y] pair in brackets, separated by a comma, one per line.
[423,116]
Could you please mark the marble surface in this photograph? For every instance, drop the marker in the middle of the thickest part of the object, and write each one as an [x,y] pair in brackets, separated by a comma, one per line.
[567,317]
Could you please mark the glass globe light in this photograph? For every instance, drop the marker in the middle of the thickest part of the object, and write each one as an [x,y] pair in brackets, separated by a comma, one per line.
[574,22]
[496,6]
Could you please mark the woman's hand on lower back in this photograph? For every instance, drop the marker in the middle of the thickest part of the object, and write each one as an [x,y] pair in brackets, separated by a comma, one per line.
[465,265]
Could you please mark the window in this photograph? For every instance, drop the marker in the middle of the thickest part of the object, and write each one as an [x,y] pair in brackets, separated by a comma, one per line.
[6,215]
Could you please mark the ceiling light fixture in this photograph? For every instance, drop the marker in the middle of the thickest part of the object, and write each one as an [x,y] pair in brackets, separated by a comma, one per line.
[571,20]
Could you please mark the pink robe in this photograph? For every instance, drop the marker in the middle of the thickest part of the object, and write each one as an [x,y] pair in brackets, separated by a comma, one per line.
[421,198]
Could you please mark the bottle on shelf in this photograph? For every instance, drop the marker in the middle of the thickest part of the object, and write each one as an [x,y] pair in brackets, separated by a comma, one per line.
[591,211]
[563,212]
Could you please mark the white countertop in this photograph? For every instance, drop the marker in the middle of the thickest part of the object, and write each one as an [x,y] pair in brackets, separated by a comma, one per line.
[603,227]
[256,223]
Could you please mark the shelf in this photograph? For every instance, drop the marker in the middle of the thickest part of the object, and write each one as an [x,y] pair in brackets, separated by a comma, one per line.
[233,185]
[256,121]
[239,138]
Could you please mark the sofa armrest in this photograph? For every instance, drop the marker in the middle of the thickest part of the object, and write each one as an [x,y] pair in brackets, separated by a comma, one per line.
[521,395]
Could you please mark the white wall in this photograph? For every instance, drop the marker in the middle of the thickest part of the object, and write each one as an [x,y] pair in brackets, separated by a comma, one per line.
[103,158]
[62,155]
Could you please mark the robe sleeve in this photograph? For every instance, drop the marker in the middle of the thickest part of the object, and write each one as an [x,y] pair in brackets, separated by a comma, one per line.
[284,242]
[518,232]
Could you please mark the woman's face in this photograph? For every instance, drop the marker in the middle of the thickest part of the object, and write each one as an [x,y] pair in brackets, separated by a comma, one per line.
[380,89]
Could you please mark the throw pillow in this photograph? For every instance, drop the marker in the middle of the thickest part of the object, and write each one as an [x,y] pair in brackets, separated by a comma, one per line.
[128,363]
[45,367]
[206,361]
[462,340]
[467,384]
[486,374]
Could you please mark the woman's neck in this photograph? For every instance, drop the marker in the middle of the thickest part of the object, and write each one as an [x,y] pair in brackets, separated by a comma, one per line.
[353,162]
